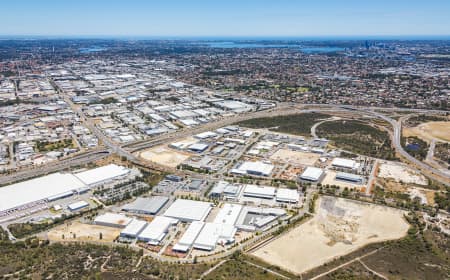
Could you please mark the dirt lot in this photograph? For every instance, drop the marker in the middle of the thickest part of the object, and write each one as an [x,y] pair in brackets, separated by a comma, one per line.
[339,227]
[401,173]
[428,131]
[329,179]
[295,157]
[164,156]
[83,232]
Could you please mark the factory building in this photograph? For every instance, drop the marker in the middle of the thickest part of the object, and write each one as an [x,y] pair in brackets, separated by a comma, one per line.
[345,163]
[102,175]
[77,205]
[155,232]
[133,229]
[257,168]
[259,191]
[189,236]
[349,177]
[312,174]
[287,195]
[188,210]
[213,234]
[146,205]
[112,220]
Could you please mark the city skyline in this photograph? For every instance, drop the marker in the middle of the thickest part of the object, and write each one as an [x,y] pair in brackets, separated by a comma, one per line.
[225,19]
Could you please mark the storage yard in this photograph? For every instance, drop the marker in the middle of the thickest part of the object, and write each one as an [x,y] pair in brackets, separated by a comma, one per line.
[339,227]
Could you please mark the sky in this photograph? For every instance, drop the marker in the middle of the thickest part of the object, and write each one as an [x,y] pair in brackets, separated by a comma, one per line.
[214,18]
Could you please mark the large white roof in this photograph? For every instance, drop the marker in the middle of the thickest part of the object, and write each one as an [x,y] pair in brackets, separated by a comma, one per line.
[189,236]
[157,229]
[134,228]
[213,233]
[343,162]
[259,191]
[101,174]
[312,174]
[188,210]
[113,219]
[228,214]
[33,190]
[287,195]
[256,167]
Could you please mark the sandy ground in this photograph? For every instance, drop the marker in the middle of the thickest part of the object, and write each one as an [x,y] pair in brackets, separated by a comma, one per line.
[428,131]
[401,173]
[339,227]
[329,179]
[295,157]
[83,232]
[165,156]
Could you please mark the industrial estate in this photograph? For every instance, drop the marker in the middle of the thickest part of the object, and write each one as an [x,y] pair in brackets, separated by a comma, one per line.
[133,170]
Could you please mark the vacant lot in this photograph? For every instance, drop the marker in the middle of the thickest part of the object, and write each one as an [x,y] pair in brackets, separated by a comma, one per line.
[339,227]
[330,179]
[295,157]
[429,130]
[164,156]
[298,124]
[401,173]
[77,231]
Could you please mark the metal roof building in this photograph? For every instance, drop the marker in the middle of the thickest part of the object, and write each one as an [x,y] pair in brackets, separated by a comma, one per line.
[133,228]
[287,195]
[349,177]
[228,214]
[28,192]
[212,234]
[155,232]
[112,220]
[189,236]
[77,205]
[259,191]
[254,168]
[345,163]
[188,210]
[312,174]
[146,205]
[102,174]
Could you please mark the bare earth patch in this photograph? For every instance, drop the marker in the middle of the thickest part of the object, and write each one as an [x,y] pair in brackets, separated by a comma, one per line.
[428,131]
[83,232]
[340,226]
[330,179]
[401,173]
[164,156]
[295,157]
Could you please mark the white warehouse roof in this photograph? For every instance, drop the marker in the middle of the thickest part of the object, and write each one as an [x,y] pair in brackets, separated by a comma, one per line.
[133,228]
[346,163]
[287,195]
[155,232]
[212,234]
[112,219]
[228,214]
[255,168]
[19,194]
[259,191]
[188,210]
[189,236]
[312,174]
[102,174]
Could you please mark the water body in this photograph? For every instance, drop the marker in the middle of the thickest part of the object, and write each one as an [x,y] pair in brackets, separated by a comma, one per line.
[92,49]
[306,49]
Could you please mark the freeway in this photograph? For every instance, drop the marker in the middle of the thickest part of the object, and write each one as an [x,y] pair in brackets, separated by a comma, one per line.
[55,166]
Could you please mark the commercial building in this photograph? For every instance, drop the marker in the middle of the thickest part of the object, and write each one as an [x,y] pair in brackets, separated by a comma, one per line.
[101,175]
[77,205]
[189,236]
[50,187]
[198,147]
[225,190]
[312,174]
[257,168]
[228,214]
[188,210]
[287,195]
[146,205]
[155,232]
[112,220]
[213,234]
[133,229]
[259,191]
[349,177]
[345,163]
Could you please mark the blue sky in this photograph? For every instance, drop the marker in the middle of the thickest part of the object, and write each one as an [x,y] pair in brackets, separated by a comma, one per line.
[225,17]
